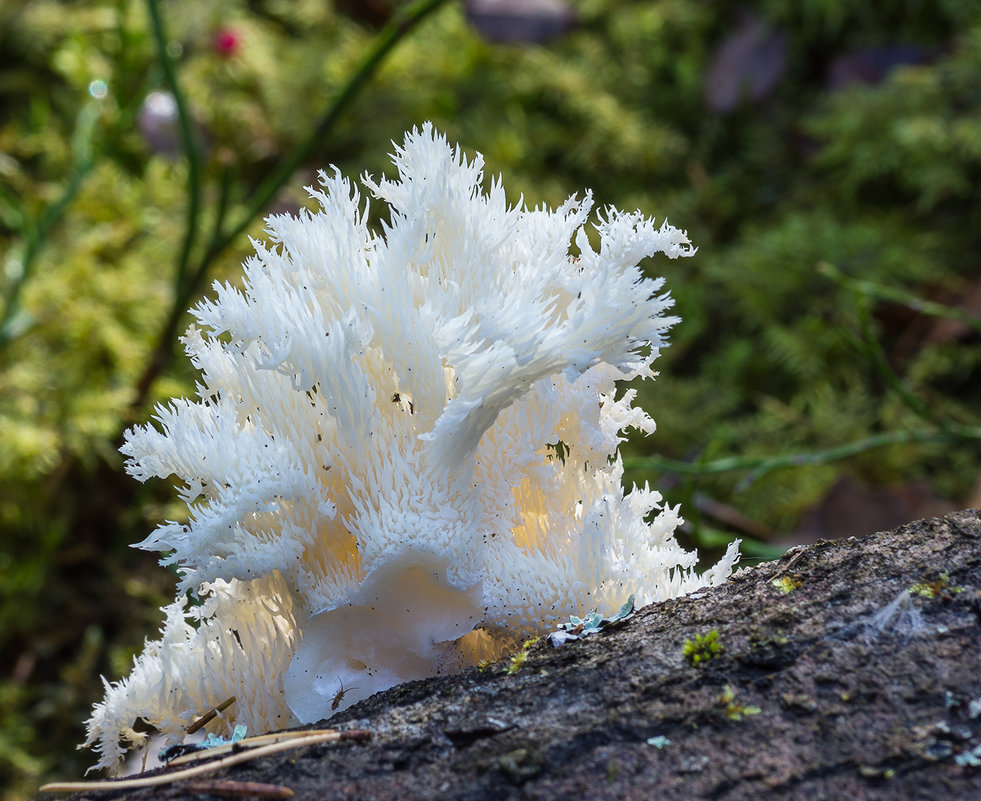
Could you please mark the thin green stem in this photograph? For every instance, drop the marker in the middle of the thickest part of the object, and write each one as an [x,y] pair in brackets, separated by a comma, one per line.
[878,358]
[224,192]
[189,145]
[943,432]
[760,466]
[402,22]
[868,344]
[36,235]
[10,323]
[900,296]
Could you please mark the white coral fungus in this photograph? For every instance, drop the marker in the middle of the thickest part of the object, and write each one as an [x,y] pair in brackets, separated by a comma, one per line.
[403,453]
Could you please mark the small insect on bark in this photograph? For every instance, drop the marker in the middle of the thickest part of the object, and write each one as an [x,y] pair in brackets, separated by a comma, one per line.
[336,702]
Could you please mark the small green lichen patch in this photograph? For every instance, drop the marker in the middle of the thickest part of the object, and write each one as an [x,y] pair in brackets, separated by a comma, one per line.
[703,647]
[733,709]
[938,588]
[786,584]
[519,659]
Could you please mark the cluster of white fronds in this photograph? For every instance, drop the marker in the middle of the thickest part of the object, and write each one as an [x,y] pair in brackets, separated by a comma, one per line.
[403,453]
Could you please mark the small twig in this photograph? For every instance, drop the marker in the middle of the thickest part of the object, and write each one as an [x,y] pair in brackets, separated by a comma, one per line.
[248,742]
[784,568]
[226,788]
[210,715]
[245,755]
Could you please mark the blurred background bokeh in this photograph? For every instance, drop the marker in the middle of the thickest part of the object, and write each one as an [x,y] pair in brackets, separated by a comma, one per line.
[824,156]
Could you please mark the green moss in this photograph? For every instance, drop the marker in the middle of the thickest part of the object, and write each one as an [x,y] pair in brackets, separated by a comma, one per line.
[703,647]
[733,709]
[518,659]
[939,587]
[786,584]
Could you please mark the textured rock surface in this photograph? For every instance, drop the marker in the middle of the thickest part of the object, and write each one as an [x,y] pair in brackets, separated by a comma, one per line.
[863,690]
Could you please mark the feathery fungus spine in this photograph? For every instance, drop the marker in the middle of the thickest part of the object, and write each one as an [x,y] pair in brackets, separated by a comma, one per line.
[370,462]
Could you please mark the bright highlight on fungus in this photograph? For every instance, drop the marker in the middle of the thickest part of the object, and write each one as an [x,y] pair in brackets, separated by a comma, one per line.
[402,456]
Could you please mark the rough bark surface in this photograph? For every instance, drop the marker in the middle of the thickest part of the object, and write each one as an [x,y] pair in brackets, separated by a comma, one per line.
[835,682]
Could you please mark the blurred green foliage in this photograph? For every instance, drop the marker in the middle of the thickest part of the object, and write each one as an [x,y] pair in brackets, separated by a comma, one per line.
[775,357]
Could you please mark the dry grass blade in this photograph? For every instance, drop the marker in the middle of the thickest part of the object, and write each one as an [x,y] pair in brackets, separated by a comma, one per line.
[245,754]
[244,744]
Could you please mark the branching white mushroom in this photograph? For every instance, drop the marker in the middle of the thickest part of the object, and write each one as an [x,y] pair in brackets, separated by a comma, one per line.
[403,453]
